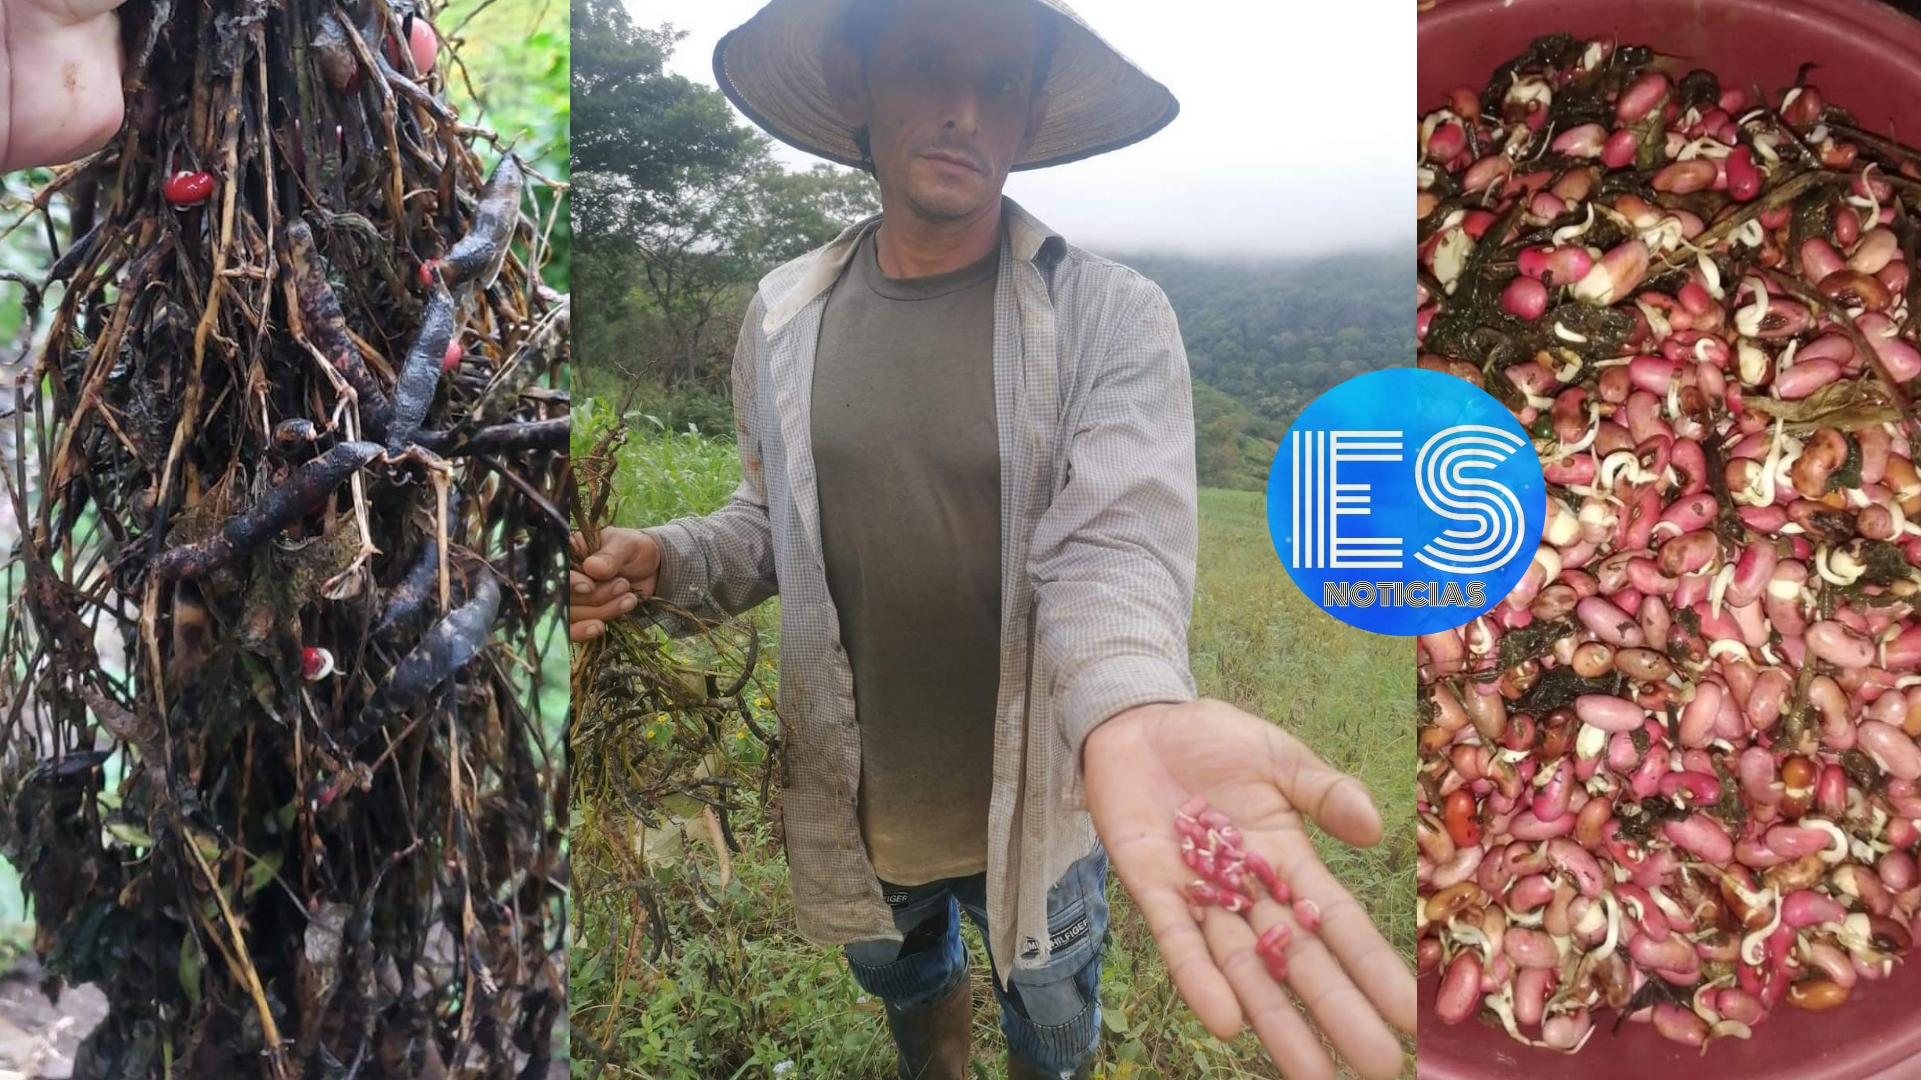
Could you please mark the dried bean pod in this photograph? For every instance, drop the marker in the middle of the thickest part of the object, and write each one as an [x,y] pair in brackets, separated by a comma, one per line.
[327,328]
[338,65]
[420,375]
[140,732]
[448,647]
[479,254]
[411,594]
[293,498]
[522,437]
[294,431]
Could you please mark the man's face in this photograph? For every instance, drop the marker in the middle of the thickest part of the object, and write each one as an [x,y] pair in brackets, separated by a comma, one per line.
[948,102]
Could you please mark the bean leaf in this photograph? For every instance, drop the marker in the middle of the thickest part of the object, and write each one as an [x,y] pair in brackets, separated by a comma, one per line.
[190,969]
[1847,405]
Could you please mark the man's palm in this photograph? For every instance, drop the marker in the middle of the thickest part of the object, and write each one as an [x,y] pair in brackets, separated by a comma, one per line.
[1140,767]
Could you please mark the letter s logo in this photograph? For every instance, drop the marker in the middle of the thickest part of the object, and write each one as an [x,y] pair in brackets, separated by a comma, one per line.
[1348,525]
[1495,524]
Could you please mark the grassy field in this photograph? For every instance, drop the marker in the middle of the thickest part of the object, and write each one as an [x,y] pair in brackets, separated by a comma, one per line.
[738,995]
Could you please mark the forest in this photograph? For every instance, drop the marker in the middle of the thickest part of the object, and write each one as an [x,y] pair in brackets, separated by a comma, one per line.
[1264,338]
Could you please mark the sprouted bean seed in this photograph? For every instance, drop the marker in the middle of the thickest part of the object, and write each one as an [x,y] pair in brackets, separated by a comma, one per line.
[1232,877]
[1673,776]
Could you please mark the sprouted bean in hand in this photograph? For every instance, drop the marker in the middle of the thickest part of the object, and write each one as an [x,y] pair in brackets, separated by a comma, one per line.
[1673,775]
[1229,876]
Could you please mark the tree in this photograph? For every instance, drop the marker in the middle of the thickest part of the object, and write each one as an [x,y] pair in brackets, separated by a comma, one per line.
[640,134]
[679,209]
[719,235]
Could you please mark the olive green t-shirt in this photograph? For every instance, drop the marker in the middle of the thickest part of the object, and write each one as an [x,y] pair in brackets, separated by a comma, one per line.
[908,458]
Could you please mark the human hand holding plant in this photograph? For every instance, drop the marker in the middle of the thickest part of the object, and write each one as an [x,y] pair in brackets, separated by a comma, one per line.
[59,80]
[611,579]
[1140,767]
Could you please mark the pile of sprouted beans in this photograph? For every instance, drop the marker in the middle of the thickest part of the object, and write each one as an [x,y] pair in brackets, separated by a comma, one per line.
[1232,877]
[1673,778]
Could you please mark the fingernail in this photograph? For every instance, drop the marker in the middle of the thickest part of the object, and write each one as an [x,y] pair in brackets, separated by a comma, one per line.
[627,602]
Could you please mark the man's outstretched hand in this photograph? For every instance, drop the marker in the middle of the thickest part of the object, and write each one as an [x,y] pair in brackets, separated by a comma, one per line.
[611,579]
[59,80]
[1140,767]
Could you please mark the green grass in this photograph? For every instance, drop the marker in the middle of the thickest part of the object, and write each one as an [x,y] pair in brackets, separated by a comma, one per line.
[737,993]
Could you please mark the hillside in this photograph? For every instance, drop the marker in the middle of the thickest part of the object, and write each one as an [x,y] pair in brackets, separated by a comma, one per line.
[1264,338]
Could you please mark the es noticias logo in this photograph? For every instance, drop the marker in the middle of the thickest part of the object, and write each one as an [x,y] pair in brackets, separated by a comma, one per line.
[1406,502]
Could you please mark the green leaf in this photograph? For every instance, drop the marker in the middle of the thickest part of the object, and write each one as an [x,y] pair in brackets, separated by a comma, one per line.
[681,808]
[128,833]
[206,843]
[1115,1019]
[261,873]
[190,970]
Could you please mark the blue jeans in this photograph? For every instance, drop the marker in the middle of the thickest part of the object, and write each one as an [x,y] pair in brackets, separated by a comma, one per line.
[1051,1015]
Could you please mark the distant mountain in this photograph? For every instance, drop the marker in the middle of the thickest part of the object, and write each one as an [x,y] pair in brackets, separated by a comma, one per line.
[1265,337]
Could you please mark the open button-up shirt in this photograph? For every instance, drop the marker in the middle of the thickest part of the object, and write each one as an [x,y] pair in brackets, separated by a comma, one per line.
[1094,412]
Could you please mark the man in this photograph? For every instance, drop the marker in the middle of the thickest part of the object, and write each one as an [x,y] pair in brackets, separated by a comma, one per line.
[59,80]
[967,458]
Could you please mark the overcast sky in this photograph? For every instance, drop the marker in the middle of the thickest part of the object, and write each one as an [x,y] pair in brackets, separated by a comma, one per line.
[1294,136]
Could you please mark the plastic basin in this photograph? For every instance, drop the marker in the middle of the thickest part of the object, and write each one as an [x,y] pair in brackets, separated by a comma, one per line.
[1870,64]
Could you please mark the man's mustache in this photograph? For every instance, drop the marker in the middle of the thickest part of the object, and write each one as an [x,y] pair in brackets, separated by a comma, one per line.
[962,150]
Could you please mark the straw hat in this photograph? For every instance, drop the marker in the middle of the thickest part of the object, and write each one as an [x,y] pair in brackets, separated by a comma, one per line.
[773,68]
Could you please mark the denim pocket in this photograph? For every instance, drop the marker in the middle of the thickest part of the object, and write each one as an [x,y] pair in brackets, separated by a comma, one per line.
[1059,991]
[921,968]
[1055,999]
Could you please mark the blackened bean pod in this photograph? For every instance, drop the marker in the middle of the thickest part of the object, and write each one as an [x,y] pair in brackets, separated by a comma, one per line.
[477,257]
[449,646]
[327,328]
[407,597]
[420,374]
[298,495]
[529,435]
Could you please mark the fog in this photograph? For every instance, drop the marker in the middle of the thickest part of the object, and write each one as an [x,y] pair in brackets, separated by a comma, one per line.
[1294,136]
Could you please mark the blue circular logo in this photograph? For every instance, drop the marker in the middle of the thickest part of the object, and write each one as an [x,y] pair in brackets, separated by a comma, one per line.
[1406,502]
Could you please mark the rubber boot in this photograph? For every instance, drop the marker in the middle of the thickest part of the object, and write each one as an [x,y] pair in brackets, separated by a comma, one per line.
[934,1041]
[1018,1069]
